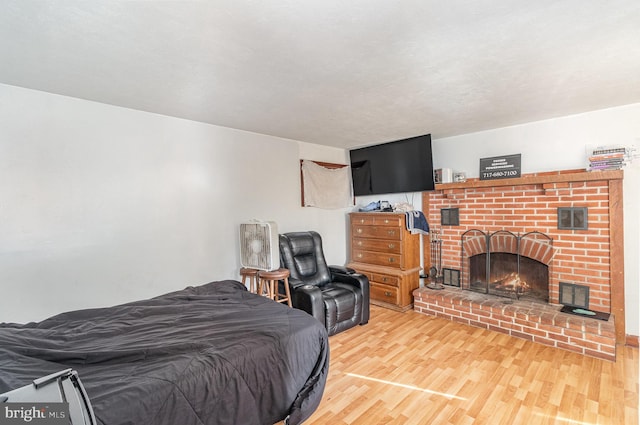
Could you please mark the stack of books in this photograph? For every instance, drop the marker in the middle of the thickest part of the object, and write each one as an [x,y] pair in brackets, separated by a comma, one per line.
[609,158]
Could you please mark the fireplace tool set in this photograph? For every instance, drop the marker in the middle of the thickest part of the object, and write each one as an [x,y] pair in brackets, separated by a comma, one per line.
[435,272]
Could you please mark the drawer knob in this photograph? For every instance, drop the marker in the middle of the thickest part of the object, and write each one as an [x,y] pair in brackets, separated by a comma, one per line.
[362,221]
[386,221]
[384,279]
[359,243]
[391,232]
[387,293]
[359,255]
[392,260]
[359,230]
[392,245]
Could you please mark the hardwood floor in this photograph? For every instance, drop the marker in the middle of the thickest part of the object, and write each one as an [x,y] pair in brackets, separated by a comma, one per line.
[408,368]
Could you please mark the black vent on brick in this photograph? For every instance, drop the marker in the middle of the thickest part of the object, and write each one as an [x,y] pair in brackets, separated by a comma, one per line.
[574,295]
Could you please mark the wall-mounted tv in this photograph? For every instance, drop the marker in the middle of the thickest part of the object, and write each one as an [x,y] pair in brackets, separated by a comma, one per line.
[401,166]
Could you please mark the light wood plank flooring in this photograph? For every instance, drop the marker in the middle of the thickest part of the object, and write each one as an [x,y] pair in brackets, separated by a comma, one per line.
[408,368]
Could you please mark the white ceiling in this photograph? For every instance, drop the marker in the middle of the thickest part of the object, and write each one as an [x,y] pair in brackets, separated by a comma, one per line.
[333,72]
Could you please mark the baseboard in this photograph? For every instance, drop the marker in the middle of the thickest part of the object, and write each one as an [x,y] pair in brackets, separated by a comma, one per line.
[632,341]
[391,306]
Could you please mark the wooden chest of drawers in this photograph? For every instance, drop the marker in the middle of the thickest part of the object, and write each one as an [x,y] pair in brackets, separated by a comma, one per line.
[388,254]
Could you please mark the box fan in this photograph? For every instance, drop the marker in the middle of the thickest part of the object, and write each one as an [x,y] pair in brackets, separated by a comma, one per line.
[259,245]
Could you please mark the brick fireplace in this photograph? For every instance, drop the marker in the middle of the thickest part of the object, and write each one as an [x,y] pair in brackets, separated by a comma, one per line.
[503,213]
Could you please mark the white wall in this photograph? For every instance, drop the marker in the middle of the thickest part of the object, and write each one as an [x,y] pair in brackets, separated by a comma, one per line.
[561,144]
[101,205]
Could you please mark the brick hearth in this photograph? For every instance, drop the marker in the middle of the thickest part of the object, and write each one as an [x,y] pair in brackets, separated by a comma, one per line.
[540,323]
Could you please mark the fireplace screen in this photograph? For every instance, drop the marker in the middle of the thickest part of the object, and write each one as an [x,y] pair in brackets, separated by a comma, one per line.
[506,264]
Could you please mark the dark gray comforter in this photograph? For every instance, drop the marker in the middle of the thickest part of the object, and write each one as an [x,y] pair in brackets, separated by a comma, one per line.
[213,354]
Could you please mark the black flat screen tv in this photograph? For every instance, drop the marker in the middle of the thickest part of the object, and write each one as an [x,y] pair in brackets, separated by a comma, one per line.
[401,166]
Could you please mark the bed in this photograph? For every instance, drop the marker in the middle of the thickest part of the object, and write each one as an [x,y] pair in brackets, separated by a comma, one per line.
[211,354]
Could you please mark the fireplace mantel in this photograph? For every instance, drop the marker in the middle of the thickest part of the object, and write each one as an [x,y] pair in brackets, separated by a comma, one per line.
[564,176]
[554,183]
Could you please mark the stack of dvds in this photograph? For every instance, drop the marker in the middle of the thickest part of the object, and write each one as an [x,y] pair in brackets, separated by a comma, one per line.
[609,158]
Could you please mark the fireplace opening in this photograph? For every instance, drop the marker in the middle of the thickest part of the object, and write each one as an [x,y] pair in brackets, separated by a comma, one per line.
[507,264]
[527,280]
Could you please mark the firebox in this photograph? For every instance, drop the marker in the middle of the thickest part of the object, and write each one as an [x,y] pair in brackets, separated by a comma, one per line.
[506,264]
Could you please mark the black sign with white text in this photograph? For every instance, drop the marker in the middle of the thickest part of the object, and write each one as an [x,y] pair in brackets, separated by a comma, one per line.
[500,167]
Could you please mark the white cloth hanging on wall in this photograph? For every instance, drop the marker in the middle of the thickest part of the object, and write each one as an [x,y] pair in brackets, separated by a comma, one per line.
[324,187]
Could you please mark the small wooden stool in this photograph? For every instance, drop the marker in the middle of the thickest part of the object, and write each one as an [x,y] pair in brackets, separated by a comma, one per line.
[252,275]
[270,280]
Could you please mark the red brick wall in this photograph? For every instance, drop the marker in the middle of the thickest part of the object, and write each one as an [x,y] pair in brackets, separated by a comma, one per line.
[580,256]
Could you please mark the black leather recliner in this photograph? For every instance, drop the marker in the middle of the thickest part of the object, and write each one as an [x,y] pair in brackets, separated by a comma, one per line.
[335,295]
